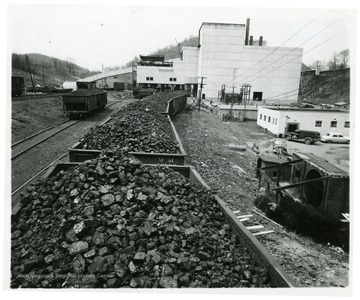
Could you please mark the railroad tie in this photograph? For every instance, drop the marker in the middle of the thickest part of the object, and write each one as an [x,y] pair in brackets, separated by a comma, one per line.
[263,232]
[255,227]
[244,216]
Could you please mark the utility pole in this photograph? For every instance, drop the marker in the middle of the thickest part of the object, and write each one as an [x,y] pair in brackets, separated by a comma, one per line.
[201,86]
[102,71]
[32,81]
[232,104]
[43,77]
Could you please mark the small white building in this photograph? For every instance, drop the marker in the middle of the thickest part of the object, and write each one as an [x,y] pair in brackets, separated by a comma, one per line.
[226,56]
[274,119]
[70,85]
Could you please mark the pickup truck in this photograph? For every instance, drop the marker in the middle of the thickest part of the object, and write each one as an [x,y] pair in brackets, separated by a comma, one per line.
[293,133]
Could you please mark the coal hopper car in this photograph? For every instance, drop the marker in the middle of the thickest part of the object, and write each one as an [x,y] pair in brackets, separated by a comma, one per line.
[84,101]
[17,86]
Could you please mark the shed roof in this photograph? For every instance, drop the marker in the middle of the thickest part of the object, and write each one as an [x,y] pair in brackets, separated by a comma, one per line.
[152,58]
[270,157]
[323,164]
[86,92]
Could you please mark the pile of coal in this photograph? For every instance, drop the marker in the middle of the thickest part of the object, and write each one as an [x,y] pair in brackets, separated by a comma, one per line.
[139,127]
[114,222]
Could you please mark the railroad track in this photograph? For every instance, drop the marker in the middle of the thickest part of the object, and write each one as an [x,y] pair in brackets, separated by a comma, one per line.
[18,148]
[38,173]
[22,146]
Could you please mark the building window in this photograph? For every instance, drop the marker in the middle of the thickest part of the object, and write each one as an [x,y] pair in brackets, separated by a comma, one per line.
[273,120]
[318,123]
[260,116]
[275,174]
[149,78]
[333,124]
[265,118]
[172,79]
[269,119]
[276,121]
[347,124]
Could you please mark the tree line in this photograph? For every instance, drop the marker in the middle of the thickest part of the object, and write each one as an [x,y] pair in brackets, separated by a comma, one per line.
[39,64]
[339,60]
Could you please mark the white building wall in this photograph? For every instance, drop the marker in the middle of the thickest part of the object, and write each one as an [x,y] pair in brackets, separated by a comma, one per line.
[185,71]
[274,73]
[223,58]
[306,118]
[221,45]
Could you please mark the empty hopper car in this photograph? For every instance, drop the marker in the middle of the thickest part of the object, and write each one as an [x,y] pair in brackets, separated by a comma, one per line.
[84,101]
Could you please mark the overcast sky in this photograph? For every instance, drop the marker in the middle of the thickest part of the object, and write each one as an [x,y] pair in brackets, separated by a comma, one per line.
[112,35]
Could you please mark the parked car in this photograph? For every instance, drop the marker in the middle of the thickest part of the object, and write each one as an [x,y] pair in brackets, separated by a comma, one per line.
[335,138]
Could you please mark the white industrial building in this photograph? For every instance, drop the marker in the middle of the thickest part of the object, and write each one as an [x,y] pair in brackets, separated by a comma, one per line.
[227,56]
[321,120]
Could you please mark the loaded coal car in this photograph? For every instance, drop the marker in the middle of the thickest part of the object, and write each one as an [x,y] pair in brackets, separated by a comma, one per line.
[84,101]
[119,86]
[17,86]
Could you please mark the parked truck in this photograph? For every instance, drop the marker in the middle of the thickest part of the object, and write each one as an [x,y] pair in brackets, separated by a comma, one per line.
[294,133]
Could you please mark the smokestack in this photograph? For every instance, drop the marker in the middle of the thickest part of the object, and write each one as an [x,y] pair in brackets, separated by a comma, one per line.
[260,40]
[251,40]
[247,31]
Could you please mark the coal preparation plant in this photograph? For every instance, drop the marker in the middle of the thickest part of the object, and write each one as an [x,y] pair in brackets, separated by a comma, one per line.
[227,56]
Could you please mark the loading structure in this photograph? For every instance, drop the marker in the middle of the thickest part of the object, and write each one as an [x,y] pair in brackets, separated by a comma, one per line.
[308,178]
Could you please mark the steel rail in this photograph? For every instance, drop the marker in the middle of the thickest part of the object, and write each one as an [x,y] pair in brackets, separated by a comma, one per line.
[38,173]
[46,129]
[44,139]
[36,134]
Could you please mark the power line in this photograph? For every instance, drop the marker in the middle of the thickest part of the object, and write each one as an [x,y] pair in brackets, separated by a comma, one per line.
[296,90]
[273,50]
[290,92]
[296,48]
[298,56]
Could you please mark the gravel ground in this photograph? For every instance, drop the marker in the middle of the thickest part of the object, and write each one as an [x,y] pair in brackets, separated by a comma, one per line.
[210,146]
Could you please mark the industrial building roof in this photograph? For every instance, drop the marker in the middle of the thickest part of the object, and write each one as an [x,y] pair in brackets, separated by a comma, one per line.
[307,109]
[106,74]
[152,58]
[86,92]
[327,167]
[270,157]
[222,24]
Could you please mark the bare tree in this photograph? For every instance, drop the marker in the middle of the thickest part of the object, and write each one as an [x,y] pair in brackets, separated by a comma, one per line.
[70,64]
[344,59]
[318,65]
[306,80]
[340,60]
